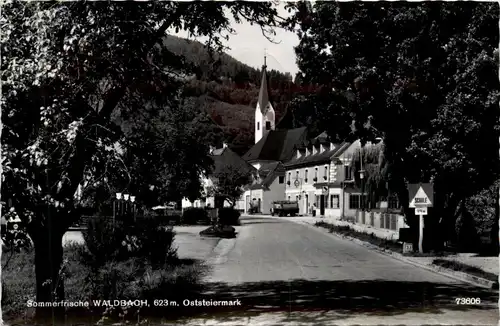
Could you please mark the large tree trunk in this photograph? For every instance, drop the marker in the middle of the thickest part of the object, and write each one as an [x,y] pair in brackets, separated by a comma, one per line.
[48,262]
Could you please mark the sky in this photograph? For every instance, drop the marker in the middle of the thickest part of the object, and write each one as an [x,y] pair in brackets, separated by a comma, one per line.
[248,45]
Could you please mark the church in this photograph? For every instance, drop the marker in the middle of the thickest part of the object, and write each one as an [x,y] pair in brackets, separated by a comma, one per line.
[294,165]
[274,146]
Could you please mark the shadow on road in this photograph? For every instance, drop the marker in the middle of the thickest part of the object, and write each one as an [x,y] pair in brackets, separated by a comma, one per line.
[382,298]
[258,220]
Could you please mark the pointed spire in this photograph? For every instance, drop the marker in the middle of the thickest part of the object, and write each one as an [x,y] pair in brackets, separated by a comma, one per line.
[264,91]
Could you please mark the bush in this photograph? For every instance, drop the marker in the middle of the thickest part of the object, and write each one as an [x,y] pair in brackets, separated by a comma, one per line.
[229,216]
[146,240]
[195,215]
[155,243]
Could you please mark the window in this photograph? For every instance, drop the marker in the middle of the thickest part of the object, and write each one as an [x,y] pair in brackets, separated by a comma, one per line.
[288,198]
[268,125]
[281,179]
[297,198]
[317,200]
[289,176]
[393,202]
[334,201]
[347,171]
[326,200]
[326,172]
[316,173]
[354,201]
[297,174]
[305,176]
[258,125]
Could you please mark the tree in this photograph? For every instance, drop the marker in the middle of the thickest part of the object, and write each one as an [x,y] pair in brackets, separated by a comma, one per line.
[69,67]
[423,76]
[374,165]
[228,184]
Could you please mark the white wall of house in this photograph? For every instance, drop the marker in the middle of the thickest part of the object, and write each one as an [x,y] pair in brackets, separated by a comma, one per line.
[349,209]
[276,192]
[334,203]
[305,188]
[252,196]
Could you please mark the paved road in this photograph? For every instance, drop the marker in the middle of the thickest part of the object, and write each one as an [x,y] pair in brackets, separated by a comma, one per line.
[288,273]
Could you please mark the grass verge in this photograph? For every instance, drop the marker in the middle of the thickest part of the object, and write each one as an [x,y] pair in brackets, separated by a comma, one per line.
[371,238]
[180,279]
[464,268]
[392,245]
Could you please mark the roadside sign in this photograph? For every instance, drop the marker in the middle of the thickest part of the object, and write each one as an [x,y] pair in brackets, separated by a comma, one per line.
[421,210]
[325,190]
[421,194]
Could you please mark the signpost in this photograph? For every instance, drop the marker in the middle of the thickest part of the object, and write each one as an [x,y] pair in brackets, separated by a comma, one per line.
[421,197]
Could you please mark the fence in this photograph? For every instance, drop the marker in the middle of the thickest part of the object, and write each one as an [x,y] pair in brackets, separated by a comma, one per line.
[380,220]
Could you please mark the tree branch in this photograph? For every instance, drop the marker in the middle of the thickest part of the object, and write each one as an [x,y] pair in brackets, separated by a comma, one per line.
[113,98]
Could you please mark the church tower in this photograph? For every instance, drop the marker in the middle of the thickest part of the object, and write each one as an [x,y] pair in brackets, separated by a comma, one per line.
[264,112]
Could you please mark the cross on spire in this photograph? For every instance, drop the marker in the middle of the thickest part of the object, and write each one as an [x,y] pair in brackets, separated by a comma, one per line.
[265,56]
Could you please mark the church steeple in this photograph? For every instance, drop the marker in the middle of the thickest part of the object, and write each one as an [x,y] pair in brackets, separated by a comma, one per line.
[264,112]
[264,91]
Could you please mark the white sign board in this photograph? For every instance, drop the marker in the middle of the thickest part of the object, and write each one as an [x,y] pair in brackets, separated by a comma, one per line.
[407,247]
[420,199]
[420,210]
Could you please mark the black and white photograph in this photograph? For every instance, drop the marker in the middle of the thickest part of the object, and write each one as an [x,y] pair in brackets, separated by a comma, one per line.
[249,163]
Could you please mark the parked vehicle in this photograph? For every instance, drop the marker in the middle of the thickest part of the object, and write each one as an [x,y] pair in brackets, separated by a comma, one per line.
[285,208]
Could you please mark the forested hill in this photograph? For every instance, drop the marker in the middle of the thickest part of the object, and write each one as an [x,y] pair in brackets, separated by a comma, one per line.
[229,90]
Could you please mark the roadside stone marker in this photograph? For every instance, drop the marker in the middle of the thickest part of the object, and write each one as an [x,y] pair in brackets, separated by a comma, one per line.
[407,247]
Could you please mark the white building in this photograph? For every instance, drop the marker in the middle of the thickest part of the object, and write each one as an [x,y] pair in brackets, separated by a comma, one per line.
[319,177]
[269,187]
[224,158]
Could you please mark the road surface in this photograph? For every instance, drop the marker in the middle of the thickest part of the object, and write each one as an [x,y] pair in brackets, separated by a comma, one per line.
[293,274]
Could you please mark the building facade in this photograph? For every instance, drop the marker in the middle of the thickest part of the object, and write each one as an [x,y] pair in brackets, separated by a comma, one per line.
[319,178]
[267,188]
[224,160]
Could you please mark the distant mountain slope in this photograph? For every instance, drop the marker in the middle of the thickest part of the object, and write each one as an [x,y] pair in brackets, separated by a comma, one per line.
[228,90]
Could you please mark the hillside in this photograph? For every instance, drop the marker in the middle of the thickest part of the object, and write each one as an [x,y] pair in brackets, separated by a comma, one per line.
[228,90]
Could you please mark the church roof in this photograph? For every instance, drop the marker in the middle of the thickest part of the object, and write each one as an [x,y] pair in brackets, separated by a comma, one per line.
[224,157]
[264,92]
[286,121]
[268,173]
[276,145]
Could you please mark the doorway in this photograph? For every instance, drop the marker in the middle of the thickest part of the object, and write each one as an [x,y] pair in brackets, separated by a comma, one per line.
[306,208]
[322,205]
